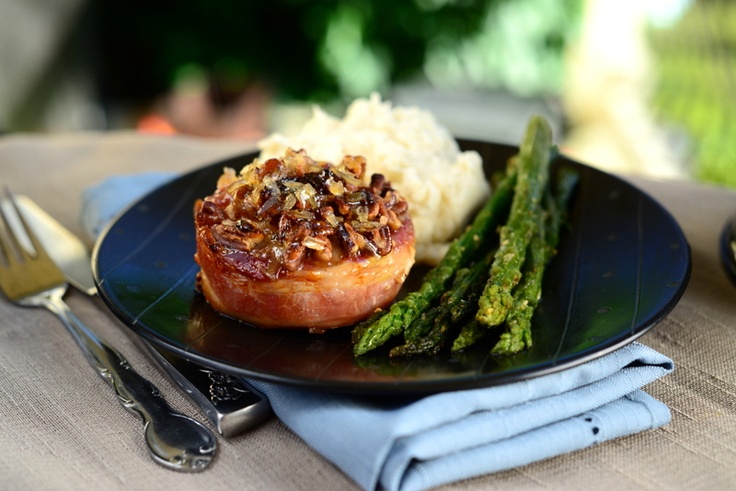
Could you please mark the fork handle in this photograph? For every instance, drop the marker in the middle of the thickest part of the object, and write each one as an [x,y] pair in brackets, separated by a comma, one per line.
[174,440]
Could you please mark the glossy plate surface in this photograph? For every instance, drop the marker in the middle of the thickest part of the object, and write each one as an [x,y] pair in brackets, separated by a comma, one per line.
[622,266]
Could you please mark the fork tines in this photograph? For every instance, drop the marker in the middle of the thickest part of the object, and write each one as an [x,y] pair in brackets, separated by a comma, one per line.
[13,229]
[25,267]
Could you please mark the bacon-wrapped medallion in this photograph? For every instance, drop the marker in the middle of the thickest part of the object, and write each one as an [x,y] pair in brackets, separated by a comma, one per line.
[295,243]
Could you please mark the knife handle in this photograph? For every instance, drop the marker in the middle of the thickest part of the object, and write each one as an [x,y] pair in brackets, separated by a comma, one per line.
[174,440]
[231,404]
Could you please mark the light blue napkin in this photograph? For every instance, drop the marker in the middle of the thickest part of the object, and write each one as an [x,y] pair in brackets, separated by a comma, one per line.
[450,436]
[102,202]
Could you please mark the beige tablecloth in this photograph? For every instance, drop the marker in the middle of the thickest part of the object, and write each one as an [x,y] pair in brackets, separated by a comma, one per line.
[62,428]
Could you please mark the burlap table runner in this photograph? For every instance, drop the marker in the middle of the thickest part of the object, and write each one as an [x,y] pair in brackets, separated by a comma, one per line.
[61,427]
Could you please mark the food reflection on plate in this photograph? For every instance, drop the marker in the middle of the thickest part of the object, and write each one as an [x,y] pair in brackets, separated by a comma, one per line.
[303,355]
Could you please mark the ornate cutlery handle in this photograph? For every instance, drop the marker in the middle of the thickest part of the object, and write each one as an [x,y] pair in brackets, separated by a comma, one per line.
[175,440]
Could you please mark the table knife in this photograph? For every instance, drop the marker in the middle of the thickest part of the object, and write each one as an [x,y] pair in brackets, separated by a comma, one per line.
[229,402]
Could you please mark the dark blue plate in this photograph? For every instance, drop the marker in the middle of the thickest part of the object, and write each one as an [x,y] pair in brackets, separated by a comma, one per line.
[622,266]
[728,248]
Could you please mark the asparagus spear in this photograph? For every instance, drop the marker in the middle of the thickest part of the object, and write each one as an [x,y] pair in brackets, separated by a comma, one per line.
[470,333]
[430,343]
[518,335]
[505,273]
[425,322]
[375,332]
[421,326]
[458,304]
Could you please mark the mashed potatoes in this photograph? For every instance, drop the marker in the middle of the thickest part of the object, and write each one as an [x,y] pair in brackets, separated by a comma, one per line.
[442,185]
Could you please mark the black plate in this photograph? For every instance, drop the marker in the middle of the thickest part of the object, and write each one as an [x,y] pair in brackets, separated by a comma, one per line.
[728,248]
[621,267]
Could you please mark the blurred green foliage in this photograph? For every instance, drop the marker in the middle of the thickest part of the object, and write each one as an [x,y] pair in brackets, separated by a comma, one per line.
[331,49]
[520,48]
[284,43]
[696,62]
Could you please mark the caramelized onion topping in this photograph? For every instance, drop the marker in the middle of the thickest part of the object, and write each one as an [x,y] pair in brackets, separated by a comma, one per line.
[291,211]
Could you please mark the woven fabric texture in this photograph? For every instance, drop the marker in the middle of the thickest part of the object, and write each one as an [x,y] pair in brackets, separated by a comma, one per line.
[61,427]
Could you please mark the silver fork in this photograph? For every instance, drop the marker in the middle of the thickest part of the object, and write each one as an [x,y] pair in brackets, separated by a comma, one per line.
[30,278]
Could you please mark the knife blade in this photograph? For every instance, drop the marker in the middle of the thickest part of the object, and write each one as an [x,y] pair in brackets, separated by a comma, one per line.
[229,402]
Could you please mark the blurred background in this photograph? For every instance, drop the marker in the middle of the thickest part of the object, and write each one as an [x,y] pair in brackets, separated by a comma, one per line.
[638,87]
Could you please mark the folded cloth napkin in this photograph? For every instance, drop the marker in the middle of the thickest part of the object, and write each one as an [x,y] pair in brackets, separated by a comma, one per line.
[436,439]
[101,203]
